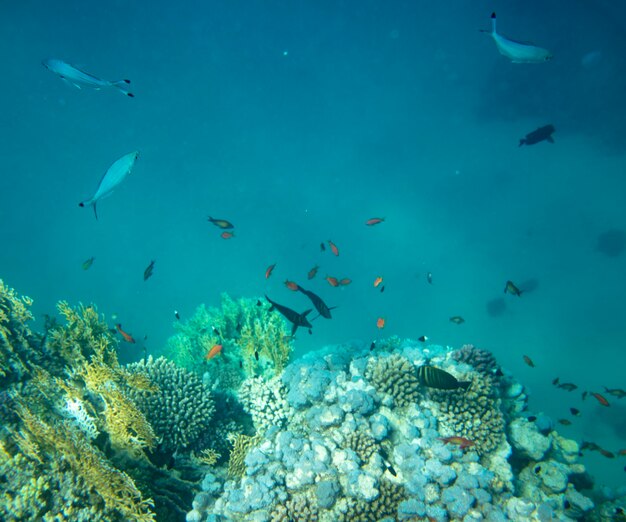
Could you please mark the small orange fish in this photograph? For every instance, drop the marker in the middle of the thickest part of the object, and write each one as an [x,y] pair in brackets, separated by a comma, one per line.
[333,247]
[292,285]
[269,271]
[127,337]
[227,235]
[461,442]
[345,281]
[332,281]
[529,361]
[600,399]
[380,323]
[313,272]
[217,349]
[622,452]
[377,281]
[374,221]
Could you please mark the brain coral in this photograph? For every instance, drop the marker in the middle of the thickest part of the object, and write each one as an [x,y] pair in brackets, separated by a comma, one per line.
[182,408]
[394,376]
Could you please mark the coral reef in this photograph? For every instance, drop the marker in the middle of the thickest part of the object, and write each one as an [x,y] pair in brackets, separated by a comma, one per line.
[483,361]
[180,411]
[396,377]
[265,402]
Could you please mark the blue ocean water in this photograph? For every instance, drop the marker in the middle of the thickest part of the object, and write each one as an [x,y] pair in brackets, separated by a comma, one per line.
[300,121]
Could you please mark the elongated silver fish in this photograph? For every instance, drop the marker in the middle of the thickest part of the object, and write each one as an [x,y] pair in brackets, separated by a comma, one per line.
[517,52]
[80,79]
[111,179]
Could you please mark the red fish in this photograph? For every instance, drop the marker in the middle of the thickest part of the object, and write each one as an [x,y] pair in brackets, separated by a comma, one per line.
[377,281]
[529,361]
[269,270]
[461,442]
[313,272]
[217,349]
[374,221]
[600,399]
[127,337]
[622,452]
[332,281]
[292,285]
[227,235]
[333,247]
[380,323]
[345,281]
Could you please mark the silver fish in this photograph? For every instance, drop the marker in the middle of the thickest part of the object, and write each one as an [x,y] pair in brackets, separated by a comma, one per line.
[79,79]
[517,52]
[111,179]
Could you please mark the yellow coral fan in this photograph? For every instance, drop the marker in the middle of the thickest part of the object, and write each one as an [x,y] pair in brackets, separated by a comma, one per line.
[14,332]
[242,444]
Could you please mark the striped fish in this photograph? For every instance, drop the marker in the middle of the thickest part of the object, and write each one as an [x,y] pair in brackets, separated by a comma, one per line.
[517,52]
[111,179]
[79,79]
[440,379]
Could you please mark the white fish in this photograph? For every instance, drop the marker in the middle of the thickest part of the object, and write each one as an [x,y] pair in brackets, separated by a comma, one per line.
[111,179]
[517,52]
[79,79]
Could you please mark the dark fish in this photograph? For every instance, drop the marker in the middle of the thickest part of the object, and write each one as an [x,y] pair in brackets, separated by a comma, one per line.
[510,288]
[531,418]
[319,305]
[565,422]
[240,364]
[591,446]
[176,314]
[256,355]
[221,223]
[87,264]
[567,386]
[440,379]
[574,411]
[541,134]
[147,273]
[607,454]
[372,346]
[322,247]
[555,381]
[382,289]
[616,392]
[529,361]
[292,316]
[499,372]
[457,319]
[422,339]
[259,303]
[429,278]
[584,395]
[385,455]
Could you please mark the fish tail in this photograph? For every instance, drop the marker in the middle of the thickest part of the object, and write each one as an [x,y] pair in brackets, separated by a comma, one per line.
[493,23]
[122,85]
[522,142]
[465,384]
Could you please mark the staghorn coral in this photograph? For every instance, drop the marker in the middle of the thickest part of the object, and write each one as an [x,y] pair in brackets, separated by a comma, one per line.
[182,408]
[384,505]
[361,443]
[265,402]
[474,414]
[394,376]
[482,360]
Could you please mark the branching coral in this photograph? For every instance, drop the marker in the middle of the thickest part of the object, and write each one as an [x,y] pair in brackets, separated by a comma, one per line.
[362,444]
[265,402]
[242,444]
[394,376]
[384,505]
[182,408]
[474,414]
[300,507]
[482,360]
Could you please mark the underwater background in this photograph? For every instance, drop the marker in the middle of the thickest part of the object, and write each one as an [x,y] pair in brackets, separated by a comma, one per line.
[298,121]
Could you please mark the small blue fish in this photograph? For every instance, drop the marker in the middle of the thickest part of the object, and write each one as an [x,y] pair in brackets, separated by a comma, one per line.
[80,79]
[517,52]
[111,179]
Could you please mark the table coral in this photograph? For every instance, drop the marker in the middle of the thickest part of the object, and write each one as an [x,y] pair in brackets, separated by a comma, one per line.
[182,408]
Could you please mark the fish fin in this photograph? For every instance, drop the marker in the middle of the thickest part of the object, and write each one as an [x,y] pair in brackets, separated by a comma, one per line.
[122,86]
[493,23]
[315,317]
[522,142]
[95,212]
[293,329]
[465,384]
[306,312]
[550,139]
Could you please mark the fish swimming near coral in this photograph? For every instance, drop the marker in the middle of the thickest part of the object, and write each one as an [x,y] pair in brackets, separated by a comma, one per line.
[333,247]
[565,422]
[221,223]
[147,273]
[87,264]
[318,303]
[332,281]
[127,337]
[79,79]
[457,319]
[461,442]
[297,320]
[312,273]
[541,134]
[111,179]
[512,289]
[567,386]
[227,235]
[380,323]
[377,281]
[269,270]
[292,285]
[602,400]
[529,361]
[437,378]
[374,221]
[429,278]
[575,412]
[216,349]
[517,52]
